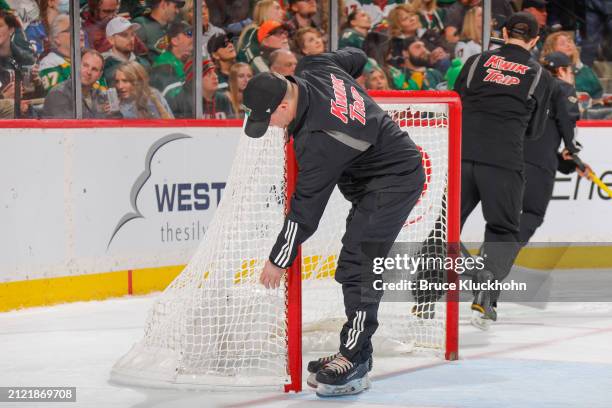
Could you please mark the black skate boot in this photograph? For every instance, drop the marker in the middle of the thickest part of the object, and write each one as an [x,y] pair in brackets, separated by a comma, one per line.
[483,310]
[342,377]
[315,365]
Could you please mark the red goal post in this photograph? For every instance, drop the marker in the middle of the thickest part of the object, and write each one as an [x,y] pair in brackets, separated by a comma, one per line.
[452,122]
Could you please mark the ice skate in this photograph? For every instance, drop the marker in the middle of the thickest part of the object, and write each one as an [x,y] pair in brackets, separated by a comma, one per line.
[315,365]
[342,377]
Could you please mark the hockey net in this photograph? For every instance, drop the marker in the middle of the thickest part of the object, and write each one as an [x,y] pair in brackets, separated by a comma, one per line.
[216,326]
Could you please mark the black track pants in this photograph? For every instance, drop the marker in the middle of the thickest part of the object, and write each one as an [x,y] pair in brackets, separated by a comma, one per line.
[538,192]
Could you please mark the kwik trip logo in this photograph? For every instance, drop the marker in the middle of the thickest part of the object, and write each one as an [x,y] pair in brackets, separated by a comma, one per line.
[172,197]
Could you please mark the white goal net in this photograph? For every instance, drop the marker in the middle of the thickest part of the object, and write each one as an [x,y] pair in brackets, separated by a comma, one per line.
[216,326]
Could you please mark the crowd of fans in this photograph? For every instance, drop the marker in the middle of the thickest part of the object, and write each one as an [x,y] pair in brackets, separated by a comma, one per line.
[137,55]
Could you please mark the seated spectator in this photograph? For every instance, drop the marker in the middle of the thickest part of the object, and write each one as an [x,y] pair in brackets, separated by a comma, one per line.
[38,31]
[272,35]
[377,47]
[537,8]
[154,26]
[248,45]
[132,8]
[216,104]
[404,23]
[376,80]
[471,35]
[137,100]
[208,28]
[240,75]
[454,18]
[55,66]
[431,16]
[309,41]
[99,13]
[168,72]
[358,24]
[283,62]
[121,34]
[59,103]
[302,14]
[222,52]
[415,66]
[586,80]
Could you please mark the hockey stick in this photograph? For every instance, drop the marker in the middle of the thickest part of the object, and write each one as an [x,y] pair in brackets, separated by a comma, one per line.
[591,175]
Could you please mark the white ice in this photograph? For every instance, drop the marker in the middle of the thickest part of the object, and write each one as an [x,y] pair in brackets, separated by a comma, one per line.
[560,356]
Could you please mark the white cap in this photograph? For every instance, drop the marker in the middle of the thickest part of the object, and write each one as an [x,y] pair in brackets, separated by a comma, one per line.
[118,25]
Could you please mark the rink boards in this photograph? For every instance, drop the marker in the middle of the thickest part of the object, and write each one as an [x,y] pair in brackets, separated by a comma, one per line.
[92,210]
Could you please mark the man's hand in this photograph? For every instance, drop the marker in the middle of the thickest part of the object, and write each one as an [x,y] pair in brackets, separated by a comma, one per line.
[587,169]
[271,275]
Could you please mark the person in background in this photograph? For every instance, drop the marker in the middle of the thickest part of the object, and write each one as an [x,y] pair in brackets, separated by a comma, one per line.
[137,100]
[585,78]
[537,8]
[431,16]
[59,103]
[302,13]
[415,65]
[309,41]
[248,44]
[132,8]
[121,34]
[208,28]
[272,36]
[358,24]
[38,30]
[240,75]
[216,104]
[471,35]
[55,66]
[454,18]
[598,31]
[283,62]
[168,71]
[376,80]
[154,26]
[377,47]
[100,12]
[222,52]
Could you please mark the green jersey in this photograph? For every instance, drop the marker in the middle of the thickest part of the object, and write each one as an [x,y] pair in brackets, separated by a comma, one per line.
[153,35]
[350,38]
[168,74]
[55,69]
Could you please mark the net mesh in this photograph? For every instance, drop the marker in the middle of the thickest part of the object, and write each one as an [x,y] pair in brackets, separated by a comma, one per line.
[216,325]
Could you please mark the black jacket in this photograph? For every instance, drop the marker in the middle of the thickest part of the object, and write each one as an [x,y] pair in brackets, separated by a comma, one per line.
[505,97]
[560,124]
[341,137]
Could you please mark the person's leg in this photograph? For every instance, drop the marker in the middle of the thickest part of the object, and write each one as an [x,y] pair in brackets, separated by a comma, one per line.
[372,227]
[470,196]
[538,192]
[595,26]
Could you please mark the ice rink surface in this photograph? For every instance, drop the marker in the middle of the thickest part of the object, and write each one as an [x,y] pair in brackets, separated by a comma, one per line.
[558,356]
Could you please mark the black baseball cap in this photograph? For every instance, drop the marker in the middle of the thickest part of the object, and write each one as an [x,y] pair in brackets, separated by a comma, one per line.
[529,29]
[539,4]
[557,59]
[219,40]
[179,27]
[262,95]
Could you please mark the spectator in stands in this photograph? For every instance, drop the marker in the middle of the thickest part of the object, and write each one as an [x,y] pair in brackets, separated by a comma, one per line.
[38,30]
[471,35]
[248,45]
[377,47]
[454,18]
[431,16]
[415,66]
[223,54]
[537,8]
[100,12]
[59,103]
[302,15]
[586,80]
[121,34]
[240,75]
[283,62]
[154,26]
[309,41]
[271,36]
[137,100]
[376,79]
[208,28]
[404,22]
[132,8]
[598,31]
[55,66]
[168,72]
[358,24]
[216,104]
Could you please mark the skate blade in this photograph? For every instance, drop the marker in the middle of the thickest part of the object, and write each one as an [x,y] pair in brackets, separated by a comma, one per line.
[312,380]
[351,388]
[479,322]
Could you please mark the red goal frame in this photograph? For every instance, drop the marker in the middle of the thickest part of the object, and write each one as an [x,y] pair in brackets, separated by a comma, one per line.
[294,273]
